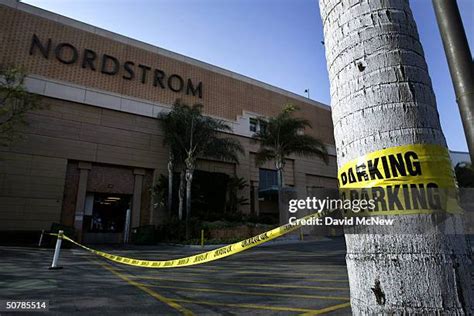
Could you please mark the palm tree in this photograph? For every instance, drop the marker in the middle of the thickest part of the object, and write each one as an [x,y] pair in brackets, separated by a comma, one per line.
[283,136]
[191,135]
[382,97]
[170,123]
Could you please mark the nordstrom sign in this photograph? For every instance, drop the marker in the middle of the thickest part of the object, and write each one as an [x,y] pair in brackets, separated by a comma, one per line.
[109,65]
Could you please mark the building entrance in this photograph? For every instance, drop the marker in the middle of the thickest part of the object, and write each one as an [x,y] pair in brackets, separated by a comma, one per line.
[105,217]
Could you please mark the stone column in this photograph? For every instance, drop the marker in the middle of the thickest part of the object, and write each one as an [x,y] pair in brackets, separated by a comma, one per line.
[84,168]
[137,196]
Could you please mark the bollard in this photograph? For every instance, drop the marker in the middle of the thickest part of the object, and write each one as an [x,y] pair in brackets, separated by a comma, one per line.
[41,238]
[54,264]
[202,238]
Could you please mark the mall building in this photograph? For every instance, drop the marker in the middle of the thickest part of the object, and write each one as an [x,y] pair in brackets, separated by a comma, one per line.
[97,149]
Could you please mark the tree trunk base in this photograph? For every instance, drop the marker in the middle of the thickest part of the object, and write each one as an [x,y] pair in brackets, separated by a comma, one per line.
[400,273]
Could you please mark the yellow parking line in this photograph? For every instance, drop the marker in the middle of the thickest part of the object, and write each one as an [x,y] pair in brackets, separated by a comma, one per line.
[266,271]
[296,273]
[336,298]
[327,309]
[250,306]
[290,286]
[319,254]
[152,293]
[260,276]
[293,256]
[324,280]
[254,257]
[228,264]
[174,302]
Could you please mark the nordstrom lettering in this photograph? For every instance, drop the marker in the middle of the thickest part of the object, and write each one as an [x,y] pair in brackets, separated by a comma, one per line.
[109,65]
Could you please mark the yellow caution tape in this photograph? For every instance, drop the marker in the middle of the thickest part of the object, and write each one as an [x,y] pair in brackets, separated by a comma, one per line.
[409,179]
[208,256]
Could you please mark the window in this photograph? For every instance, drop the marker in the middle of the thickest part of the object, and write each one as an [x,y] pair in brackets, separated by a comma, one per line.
[257,125]
[106,212]
[268,179]
[253,125]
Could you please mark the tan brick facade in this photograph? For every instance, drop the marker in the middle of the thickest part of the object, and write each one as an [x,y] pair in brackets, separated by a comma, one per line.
[223,96]
[40,179]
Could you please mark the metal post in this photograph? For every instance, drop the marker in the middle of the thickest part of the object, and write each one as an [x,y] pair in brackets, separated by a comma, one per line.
[126,230]
[57,250]
[301,234]
[41,238]
[460,63]
[202,238]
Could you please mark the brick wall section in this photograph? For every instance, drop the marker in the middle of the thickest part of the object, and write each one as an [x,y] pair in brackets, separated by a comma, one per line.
[223,96]
[110,179]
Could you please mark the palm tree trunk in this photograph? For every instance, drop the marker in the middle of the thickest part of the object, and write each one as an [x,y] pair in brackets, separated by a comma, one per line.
[189,180]
[381,97]
[279,167]
[280,178]
[282,203]
[170,183]
[181,195]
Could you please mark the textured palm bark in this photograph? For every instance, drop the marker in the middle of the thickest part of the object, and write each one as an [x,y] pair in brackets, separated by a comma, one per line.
[381,97]
[189,181]
[170,183]
[181,193]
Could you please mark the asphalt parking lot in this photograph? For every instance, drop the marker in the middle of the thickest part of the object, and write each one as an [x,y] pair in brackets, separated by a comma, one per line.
[307,277]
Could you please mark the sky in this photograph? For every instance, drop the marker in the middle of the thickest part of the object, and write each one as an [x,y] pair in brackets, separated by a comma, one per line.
[274,41]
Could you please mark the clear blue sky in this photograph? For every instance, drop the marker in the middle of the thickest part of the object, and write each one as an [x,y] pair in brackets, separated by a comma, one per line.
[275,41]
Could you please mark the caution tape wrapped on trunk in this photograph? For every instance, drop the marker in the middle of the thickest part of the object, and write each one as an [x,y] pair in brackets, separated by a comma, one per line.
[409,179]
